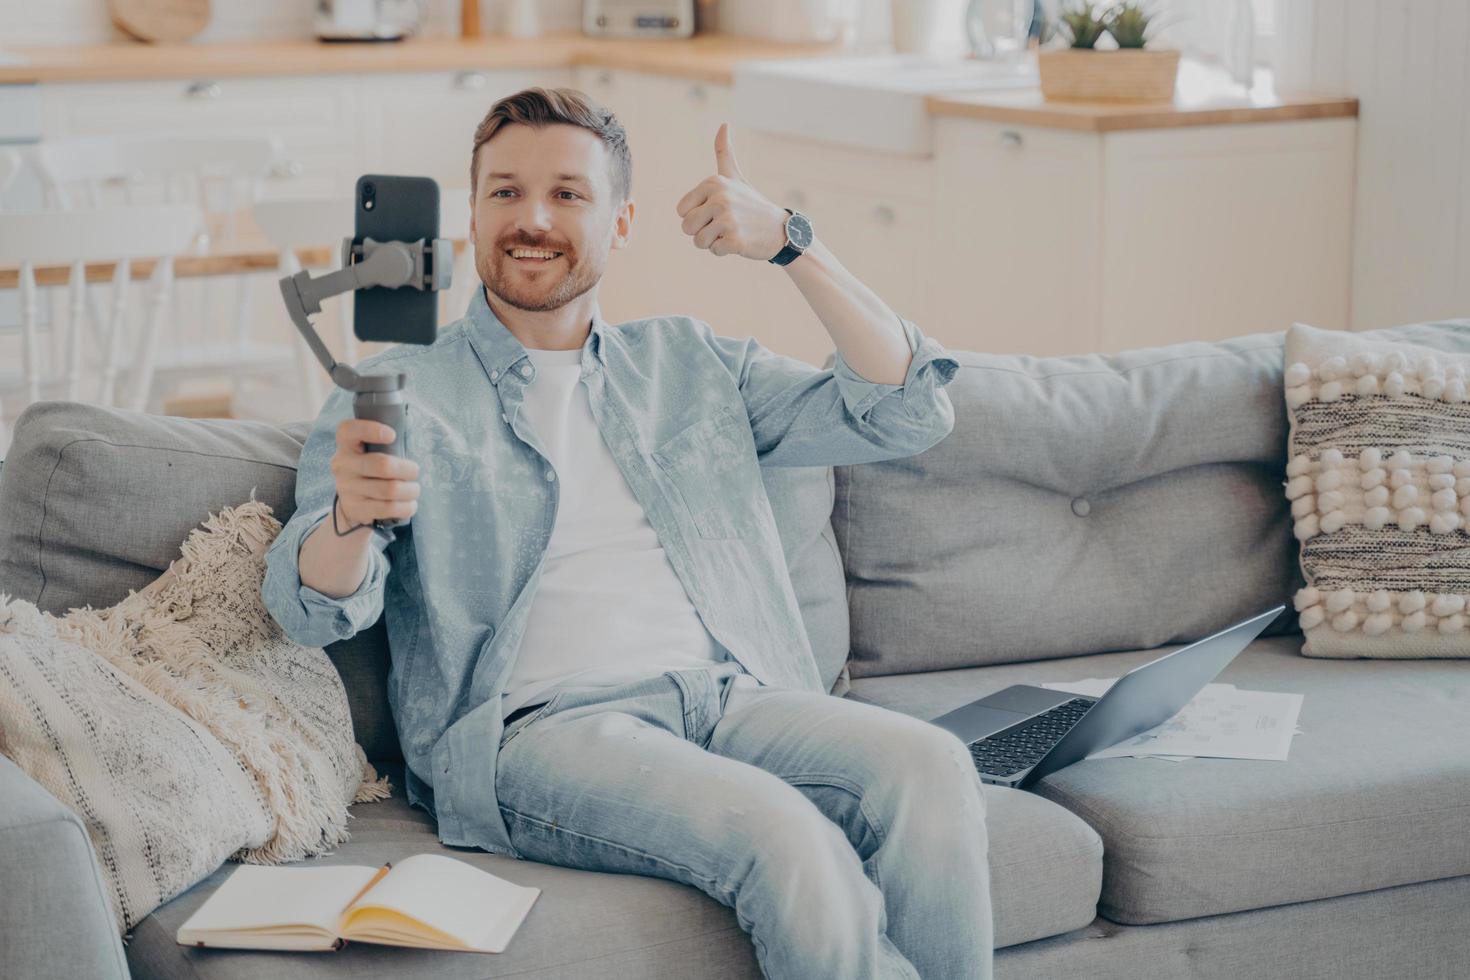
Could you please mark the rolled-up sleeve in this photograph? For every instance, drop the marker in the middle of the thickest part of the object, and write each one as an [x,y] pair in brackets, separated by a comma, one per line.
[307,616]
[806,416]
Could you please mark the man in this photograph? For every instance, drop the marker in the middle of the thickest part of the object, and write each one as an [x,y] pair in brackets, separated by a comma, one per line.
[597,656]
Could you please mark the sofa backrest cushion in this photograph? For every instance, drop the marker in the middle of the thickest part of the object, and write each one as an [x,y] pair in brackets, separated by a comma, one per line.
[1081,504]
[95,502]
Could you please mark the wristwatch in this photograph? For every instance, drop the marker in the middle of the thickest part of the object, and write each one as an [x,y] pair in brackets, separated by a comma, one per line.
[798,238]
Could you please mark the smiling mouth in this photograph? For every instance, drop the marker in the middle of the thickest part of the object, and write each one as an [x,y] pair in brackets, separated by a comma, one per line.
[532,255]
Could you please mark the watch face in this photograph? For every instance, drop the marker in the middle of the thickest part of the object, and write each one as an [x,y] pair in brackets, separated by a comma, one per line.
[799,230]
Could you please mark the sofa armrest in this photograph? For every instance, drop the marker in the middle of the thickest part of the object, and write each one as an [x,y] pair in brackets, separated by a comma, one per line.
[56,919]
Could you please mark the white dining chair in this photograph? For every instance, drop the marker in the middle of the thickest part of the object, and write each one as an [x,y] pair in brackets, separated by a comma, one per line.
[296,223]
[223,176]
[291,224]
[454,222]
[123,236]
[10,166]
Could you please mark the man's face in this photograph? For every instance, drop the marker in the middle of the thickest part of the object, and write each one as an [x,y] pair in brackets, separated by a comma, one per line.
[547,190]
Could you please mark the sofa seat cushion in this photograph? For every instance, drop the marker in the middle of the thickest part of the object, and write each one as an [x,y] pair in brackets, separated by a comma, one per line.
[1047,869]
[1376,792]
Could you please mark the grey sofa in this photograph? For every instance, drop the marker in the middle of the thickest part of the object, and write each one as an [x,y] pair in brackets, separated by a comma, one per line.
[1085,515]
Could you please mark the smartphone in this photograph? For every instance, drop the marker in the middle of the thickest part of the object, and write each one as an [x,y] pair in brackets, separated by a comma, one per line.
[403,209]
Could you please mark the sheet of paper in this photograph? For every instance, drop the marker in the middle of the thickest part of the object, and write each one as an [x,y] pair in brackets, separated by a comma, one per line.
[478,908]
[258,896]
[1219,722]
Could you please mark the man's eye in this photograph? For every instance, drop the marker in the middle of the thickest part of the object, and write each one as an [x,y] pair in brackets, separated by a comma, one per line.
[503,190]
[572,194]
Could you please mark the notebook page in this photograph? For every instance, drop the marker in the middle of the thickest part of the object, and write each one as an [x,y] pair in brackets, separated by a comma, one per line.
[454,897]
[257,896]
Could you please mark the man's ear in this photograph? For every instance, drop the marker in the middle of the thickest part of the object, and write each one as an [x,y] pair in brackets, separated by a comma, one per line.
[623,224]
[472,219]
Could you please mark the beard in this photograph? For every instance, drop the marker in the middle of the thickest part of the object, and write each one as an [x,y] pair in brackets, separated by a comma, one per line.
[536,290]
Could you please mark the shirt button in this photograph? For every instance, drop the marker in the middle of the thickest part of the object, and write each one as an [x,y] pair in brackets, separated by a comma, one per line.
[494,375]
[1081,507]
[550,475]
[503,417]
[526,370]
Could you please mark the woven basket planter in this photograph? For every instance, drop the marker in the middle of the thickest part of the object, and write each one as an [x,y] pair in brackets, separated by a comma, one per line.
[1119,75]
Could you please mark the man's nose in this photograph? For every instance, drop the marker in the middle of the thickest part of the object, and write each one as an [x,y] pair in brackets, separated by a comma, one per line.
[535,215]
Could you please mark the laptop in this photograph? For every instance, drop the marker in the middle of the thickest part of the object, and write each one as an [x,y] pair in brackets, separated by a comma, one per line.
[1024,733]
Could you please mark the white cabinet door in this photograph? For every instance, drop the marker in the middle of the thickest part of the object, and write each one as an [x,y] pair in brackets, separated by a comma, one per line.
[671,126]
[314,117]
[881,238]
[871,210]
[1013,263]
[423,124]
[1218,231]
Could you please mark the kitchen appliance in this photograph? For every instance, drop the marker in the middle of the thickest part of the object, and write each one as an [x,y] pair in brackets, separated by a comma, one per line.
[638,18]
[367,20]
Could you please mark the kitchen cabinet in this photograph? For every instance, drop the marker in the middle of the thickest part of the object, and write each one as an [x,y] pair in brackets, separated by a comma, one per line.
[1063,242]
[872,210]
[671,126]
[423,123]
[315,118]
[1218,231]
[1013,266]
[1010,237]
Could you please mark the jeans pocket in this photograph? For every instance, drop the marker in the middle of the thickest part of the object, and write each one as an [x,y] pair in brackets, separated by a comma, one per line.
[522,723]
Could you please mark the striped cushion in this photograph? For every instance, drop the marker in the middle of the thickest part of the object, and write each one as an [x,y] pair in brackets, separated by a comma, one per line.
[1379,483]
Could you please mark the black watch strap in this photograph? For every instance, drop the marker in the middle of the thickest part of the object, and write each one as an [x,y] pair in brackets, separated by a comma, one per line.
[788,251]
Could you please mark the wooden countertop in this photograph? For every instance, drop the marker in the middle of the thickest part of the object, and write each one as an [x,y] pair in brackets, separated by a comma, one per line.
[707,57]
[1204,96]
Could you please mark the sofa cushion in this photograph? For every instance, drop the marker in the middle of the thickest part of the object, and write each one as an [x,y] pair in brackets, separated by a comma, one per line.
[1046,869]
[94,502]
[801,503]
[1098,502]
[1376,791]
[1379,481]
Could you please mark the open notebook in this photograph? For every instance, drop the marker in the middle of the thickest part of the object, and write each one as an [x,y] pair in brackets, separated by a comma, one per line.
[428,901]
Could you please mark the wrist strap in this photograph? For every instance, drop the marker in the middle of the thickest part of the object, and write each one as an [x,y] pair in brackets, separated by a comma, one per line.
[339,532]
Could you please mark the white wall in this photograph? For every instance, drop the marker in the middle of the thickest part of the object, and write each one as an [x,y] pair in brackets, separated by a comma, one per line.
[1406,61]
[30,23]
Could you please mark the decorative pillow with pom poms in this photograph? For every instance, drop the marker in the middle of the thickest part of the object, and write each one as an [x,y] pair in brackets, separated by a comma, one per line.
[1379,482]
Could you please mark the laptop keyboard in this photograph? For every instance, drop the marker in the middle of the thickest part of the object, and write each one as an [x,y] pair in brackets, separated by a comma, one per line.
[1018,750]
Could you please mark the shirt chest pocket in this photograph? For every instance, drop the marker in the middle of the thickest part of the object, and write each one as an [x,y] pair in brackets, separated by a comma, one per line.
[712,467]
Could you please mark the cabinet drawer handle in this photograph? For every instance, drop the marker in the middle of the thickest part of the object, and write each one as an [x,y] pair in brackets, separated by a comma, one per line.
[470,80]
[885,214]
[1011,138]
[203,90]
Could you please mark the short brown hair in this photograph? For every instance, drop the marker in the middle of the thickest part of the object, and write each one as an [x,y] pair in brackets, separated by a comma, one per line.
[543,107]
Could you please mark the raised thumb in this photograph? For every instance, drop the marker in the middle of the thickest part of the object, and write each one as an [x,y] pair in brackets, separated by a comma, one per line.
[725,163]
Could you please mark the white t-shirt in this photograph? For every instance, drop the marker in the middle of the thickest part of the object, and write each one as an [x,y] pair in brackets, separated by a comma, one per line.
[609,608]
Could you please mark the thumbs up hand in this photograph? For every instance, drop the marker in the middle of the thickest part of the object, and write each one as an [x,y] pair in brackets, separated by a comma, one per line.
[728,216]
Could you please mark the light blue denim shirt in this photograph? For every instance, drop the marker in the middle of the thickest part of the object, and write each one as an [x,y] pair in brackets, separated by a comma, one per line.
[689,417]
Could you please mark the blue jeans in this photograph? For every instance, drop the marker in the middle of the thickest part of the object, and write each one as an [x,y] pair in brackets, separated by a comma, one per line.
[849,839]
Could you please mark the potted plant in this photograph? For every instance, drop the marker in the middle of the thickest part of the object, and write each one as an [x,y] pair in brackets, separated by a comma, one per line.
[1131,72]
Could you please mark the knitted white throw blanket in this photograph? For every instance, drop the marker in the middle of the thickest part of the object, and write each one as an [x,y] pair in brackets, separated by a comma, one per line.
[190,676]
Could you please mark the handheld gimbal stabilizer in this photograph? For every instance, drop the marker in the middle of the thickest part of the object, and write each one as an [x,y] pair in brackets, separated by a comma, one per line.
[395,265]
